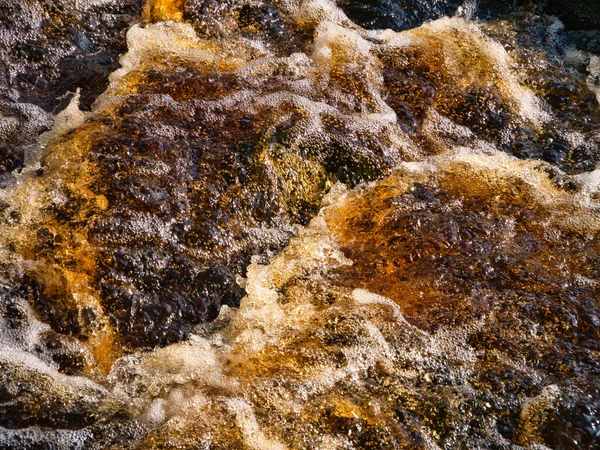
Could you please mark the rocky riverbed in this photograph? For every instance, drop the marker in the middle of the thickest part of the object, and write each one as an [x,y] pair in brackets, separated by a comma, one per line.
[299,224]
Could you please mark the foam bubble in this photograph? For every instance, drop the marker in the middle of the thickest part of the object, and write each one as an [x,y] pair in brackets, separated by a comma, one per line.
[594,76]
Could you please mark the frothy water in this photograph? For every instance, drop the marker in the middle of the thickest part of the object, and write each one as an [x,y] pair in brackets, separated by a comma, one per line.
[277,229]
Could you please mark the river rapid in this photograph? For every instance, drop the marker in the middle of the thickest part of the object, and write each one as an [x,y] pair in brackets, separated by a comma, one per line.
[300,225]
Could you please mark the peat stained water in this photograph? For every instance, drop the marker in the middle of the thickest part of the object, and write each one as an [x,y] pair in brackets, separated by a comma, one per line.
[299,225]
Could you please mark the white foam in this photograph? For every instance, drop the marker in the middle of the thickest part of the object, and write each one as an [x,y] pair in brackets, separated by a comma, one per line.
[593,79]
[245,419]
[68,119]
[249,356]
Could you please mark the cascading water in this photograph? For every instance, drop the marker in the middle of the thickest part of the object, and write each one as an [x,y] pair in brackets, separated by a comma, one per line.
[276,229]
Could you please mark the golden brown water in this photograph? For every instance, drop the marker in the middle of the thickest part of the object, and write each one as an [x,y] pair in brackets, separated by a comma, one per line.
[278,230]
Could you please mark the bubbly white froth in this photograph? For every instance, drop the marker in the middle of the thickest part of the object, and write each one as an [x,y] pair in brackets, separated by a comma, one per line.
[272,363]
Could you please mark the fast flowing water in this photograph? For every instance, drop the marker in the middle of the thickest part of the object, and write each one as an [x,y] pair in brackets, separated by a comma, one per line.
[276,229]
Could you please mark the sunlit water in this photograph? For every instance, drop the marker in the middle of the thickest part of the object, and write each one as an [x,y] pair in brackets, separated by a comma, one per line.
[278,230]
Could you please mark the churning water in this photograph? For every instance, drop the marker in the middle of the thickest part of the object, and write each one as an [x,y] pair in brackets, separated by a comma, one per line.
[277,229]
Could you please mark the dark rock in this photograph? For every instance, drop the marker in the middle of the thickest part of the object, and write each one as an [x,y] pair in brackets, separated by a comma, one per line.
[48,49]
[25,390]
[576,14]
[491,9]
[184,215]
[396,14]
[439,240]
[258,20]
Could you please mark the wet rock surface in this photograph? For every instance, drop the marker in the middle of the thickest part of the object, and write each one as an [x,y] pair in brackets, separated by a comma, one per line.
[281,226]
[450,261]
[50,49]
[577,14]
[182,197]
[387,335]
[401,15]
[396,15]
[175,184]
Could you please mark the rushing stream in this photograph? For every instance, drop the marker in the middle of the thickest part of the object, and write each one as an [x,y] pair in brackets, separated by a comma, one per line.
[316,224]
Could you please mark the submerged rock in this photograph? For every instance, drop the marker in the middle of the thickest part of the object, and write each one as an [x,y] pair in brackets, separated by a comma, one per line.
[48,49]
[397,15]
[470,245]
[427,309]
[185,265]
[183,173]
[211,143]
[577,14]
